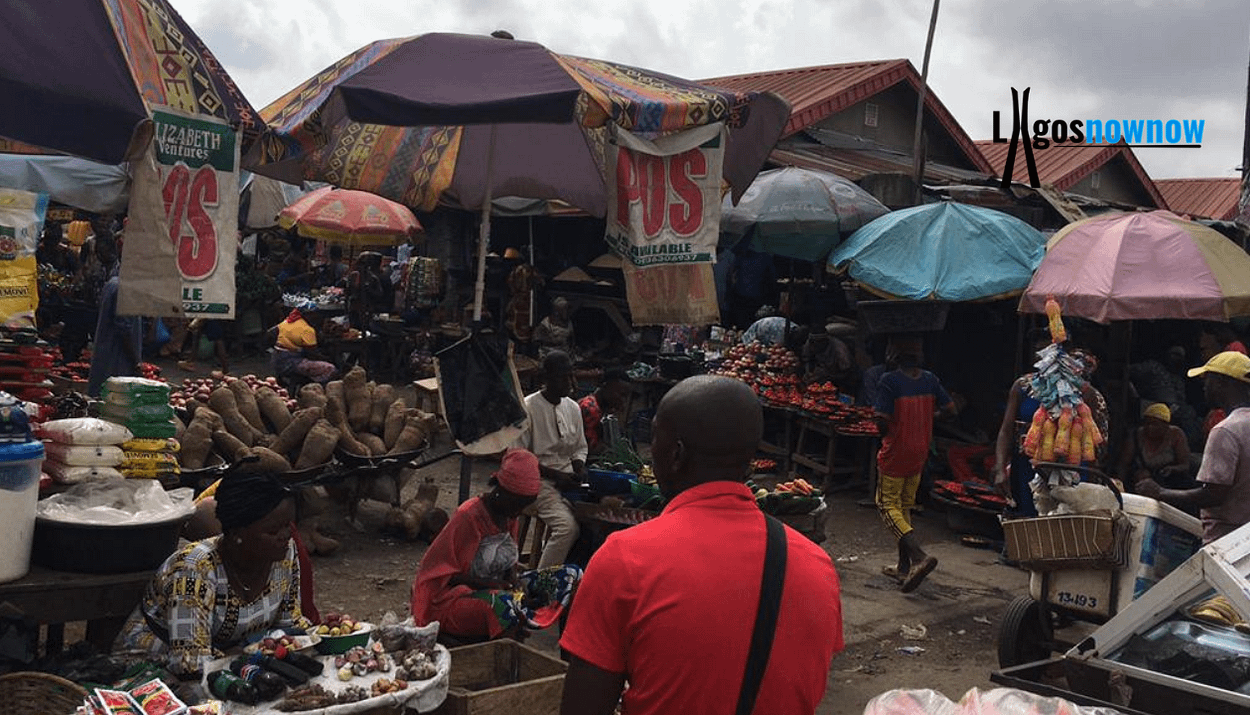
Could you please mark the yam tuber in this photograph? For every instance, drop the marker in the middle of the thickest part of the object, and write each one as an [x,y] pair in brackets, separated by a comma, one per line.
[412,437]
[246,400]
[269,461]
[356,398]
[394,423]
[197,442]
[334,391]
[206,416]
[231,447]
[318,445]
[293,436]
[312,395]
[375,444]
[224,403]
[273,409]
[383,396]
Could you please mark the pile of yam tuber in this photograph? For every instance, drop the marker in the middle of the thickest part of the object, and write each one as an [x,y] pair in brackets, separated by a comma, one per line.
[241,418]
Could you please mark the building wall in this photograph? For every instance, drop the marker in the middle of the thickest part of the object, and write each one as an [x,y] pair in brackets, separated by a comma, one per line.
[1116,182]
[896,126]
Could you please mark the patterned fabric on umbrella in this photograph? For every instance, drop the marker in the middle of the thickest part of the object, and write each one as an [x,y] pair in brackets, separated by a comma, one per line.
[538,123]
[946,251]
[1142,266]
[799,213]
[81,76]
[352,217]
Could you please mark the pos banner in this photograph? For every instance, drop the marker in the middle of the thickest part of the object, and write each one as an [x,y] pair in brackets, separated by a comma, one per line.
[667,196]
[182,233]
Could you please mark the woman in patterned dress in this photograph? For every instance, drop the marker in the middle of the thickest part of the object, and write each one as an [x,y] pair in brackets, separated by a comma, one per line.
[214,594]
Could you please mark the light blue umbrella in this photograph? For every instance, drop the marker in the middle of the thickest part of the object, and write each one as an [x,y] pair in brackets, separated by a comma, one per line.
[945,251]
[799,213]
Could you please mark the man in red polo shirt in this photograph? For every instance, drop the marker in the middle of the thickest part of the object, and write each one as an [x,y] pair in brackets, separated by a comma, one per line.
[668,607]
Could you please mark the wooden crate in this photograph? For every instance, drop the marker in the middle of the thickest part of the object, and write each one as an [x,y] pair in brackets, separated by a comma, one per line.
[503,677]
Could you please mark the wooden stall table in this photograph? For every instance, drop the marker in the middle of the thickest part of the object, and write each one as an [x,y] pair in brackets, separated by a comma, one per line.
[54,598]
[827,465]
[783,450]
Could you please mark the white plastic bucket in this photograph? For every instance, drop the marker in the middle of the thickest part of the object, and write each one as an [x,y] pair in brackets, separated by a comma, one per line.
[19,492]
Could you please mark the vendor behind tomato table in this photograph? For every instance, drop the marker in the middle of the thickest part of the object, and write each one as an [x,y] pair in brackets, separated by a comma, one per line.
[611,396]
[469,579]
[669,606]
[218,593]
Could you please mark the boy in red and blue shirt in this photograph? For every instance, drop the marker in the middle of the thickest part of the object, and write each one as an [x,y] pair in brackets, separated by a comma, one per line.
[907,400]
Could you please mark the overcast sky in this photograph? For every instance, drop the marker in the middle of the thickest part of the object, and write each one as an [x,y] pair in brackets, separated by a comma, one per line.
[1084,59]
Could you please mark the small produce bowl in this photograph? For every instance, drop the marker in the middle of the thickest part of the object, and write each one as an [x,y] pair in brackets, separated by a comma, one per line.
[337,645]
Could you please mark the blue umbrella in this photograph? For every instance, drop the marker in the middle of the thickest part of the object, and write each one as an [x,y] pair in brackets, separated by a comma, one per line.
[945,251]
[799,213]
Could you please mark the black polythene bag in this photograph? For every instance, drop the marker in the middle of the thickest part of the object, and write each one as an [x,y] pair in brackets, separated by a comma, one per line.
[479,392]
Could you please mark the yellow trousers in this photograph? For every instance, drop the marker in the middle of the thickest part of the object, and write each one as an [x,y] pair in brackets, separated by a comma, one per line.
[895,498]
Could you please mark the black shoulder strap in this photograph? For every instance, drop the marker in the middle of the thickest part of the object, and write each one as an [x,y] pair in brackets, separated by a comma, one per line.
[766,617]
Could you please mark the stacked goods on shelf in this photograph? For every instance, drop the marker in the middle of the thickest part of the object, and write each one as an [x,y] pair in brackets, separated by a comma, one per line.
[82,449]
[141,405]
[151,459]
[1063,429]
[25,362]
[240,419]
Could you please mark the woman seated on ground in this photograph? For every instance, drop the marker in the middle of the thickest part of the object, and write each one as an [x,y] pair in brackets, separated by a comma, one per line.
[215,594]
[1156,450]
[296,346]
[469,580]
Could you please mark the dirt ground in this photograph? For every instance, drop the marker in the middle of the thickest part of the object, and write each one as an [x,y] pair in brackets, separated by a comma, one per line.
[959,606]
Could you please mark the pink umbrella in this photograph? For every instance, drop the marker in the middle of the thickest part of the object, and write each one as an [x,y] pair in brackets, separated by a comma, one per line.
[352,217]
[1141,266]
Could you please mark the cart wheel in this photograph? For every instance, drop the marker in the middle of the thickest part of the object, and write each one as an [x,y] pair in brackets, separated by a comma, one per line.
[1025,633]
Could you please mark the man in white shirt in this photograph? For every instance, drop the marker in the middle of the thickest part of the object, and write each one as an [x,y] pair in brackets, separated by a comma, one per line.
[556,437]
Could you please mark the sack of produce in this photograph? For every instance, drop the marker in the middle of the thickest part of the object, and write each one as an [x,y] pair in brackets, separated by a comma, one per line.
[86,430]
[84,455]
[65,474]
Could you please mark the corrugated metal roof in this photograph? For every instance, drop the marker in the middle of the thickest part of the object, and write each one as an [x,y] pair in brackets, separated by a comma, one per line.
[1214,198]
[1063,165]
[855,164]
[815,93]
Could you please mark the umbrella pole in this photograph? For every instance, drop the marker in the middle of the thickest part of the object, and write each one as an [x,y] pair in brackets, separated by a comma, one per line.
[479,290]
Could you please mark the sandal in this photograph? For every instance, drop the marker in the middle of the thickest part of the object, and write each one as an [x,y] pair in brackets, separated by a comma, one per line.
[892,572]
[918,573]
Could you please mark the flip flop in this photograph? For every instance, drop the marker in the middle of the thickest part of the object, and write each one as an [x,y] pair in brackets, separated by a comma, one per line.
[892,572]
[918,573]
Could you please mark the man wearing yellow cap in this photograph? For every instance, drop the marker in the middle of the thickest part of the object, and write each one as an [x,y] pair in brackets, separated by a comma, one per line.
[1223,494]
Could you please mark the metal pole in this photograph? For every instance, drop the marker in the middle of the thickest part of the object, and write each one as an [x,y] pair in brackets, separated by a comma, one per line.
[917,156]
[479,290]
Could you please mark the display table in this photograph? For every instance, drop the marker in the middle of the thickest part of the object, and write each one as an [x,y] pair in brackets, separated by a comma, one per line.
[420,696]
[54,598]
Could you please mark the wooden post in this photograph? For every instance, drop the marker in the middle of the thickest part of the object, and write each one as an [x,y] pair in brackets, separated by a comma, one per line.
[917,154]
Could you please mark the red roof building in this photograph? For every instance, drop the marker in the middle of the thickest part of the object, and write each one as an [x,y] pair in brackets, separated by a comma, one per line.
[1214,198]
[859,118]
[1111,173]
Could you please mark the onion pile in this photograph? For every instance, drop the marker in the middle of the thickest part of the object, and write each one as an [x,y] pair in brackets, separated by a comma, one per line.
[200,389]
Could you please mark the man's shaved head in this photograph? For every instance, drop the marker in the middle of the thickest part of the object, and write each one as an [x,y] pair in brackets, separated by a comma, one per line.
[706,429]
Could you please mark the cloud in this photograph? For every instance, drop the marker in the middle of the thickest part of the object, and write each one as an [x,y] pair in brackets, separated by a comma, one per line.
[1083,58]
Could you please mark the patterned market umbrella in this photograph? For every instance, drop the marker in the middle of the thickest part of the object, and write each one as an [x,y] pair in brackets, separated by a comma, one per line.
[82,76]
[458,119]
[1141,266]
[799,213]
[350,217]
[945,251]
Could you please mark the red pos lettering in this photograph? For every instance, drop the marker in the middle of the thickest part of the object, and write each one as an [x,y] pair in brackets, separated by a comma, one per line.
[186,198]
[665,186]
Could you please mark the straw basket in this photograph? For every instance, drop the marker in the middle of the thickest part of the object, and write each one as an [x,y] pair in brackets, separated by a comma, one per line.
[39,694]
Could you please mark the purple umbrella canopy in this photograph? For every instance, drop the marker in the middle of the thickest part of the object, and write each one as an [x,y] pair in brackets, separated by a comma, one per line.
[446,118]
[81,76]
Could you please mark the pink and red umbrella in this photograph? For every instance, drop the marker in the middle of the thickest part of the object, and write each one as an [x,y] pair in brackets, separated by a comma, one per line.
[351,217]
[1141,266]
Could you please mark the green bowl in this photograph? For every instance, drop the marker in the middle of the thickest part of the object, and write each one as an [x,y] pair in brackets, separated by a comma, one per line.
[336,645]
